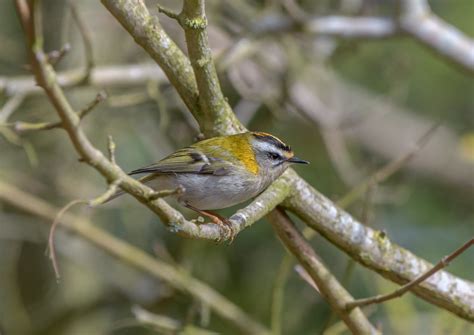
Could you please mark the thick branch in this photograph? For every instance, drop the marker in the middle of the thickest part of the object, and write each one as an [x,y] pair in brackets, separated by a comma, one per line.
[217,116]
[327,284]
[126,253]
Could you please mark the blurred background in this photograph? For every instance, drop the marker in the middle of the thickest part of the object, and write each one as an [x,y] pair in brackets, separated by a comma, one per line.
[348,105]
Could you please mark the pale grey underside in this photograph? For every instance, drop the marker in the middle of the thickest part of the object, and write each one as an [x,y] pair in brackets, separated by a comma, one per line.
[206,191]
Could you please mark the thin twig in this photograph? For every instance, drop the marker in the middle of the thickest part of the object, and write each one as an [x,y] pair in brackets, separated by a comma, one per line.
[21,126]
[101,96]
[168,12]
[444,262]
[51,248]
[55,56]
[306,277]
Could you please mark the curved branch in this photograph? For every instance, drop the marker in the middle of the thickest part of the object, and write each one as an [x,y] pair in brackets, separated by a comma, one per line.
[417,20]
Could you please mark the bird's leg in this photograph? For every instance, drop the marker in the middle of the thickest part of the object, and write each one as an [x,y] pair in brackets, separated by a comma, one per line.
[217,219]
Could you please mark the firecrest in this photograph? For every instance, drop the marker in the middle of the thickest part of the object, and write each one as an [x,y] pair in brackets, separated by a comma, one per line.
[222,171]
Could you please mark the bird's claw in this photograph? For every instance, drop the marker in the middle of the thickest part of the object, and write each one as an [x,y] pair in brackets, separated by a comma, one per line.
[228,228]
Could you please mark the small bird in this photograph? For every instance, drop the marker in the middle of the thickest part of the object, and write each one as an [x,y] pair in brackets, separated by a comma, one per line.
[220,172]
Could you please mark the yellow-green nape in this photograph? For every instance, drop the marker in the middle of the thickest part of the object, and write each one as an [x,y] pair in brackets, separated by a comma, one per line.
[238,146]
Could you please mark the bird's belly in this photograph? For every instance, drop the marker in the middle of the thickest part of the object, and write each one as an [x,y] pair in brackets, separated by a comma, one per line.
[208,191]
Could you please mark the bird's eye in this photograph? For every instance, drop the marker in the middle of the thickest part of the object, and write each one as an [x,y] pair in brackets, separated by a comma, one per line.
[274,156]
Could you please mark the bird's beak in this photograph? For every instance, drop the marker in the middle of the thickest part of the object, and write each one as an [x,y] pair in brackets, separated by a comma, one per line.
[297,160]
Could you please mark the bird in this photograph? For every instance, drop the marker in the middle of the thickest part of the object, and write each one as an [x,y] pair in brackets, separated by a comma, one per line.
[220,172]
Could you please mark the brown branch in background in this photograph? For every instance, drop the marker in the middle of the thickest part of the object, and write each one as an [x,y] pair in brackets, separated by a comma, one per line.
[11,106]
[101,76]
[328,286]
[387,170]
[128,254]
[444,262]
[352,27]
[86,41]
[51,249]
[415,20]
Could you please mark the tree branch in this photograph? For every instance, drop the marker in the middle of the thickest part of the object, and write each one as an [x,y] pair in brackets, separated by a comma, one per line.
[444,262]
[445,40]
[217,116]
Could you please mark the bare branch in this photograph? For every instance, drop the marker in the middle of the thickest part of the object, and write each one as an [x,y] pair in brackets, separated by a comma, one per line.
[217,116]
[445,40]
[444,262]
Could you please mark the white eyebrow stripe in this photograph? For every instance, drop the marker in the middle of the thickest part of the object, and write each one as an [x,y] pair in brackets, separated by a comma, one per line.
[266,146]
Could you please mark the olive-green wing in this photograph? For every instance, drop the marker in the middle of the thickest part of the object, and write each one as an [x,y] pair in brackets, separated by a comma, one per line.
[188,160]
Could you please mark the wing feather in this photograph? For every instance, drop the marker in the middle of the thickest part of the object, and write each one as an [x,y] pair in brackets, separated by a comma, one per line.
[188,160]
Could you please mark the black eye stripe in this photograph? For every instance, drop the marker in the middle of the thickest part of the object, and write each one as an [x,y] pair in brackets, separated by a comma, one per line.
[274,155]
